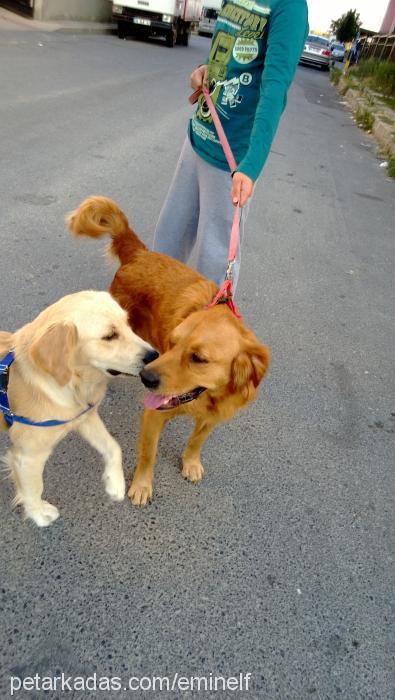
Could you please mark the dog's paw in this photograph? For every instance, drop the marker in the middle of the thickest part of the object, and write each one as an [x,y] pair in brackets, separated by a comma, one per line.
[43,514]
[192,470]
[140,493]
[115,486]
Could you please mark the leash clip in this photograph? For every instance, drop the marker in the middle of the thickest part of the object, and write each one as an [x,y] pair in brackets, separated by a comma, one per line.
[229,270]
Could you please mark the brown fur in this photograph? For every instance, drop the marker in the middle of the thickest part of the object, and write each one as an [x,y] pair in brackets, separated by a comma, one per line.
[165,301]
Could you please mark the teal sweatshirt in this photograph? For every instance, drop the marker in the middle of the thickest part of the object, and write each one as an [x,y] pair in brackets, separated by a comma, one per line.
[254,53]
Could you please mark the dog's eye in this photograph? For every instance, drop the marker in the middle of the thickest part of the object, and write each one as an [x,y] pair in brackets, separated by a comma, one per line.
[111,336]
[196,358]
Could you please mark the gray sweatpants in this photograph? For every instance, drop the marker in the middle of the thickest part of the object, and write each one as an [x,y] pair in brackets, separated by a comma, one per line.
[197,215]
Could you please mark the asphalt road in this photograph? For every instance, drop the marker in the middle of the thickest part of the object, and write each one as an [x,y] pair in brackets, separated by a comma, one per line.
[279,563]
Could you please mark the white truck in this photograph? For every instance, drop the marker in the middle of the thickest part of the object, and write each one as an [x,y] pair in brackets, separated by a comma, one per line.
[208,18]
[172,19]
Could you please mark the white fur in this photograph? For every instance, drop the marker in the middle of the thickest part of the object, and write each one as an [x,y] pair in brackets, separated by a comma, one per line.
[37,393]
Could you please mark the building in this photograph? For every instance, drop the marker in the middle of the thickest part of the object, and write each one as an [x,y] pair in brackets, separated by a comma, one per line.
[88,10]
[388,26]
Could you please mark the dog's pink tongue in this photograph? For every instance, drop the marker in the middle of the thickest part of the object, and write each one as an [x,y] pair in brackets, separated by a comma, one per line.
[154,401]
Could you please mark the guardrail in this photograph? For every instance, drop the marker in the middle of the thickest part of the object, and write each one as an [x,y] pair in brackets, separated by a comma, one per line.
[381,46]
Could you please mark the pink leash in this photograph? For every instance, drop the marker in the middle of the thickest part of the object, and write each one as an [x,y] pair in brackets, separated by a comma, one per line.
[225,292]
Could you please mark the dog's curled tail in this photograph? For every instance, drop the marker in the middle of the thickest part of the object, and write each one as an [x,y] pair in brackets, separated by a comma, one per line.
[100,216]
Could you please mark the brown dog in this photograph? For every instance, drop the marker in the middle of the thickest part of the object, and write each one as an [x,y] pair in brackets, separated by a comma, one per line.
[211,364]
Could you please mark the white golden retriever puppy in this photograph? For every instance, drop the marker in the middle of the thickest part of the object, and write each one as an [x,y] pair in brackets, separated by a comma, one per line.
[62,363]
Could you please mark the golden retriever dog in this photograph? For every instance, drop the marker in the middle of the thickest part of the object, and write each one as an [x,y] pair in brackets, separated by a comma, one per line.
[211,364]
[63,362]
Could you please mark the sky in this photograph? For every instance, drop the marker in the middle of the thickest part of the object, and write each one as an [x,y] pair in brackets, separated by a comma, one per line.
[322,12]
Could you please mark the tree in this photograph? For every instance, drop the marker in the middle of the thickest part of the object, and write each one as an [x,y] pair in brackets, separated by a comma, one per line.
[347,26]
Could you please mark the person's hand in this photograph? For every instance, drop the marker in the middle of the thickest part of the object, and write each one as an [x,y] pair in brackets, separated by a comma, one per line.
[242,189]
[199,78]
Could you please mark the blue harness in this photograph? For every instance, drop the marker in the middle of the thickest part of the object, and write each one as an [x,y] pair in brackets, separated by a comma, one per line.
[10,417]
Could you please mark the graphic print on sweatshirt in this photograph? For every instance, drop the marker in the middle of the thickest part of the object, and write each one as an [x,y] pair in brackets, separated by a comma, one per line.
[235,64]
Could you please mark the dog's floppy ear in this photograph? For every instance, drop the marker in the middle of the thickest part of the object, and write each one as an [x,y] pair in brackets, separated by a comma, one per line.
[53,351]
[5,342]
[249,368]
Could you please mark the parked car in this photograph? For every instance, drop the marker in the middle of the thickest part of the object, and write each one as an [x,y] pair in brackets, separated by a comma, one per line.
[207,21]
[338,52]
[317,52]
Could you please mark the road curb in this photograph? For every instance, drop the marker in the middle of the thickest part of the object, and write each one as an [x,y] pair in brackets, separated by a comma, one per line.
[381,130]
[86,30]
[13,21]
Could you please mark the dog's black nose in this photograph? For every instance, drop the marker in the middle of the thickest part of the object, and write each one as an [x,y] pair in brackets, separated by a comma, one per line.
[149,379]
[150,356]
